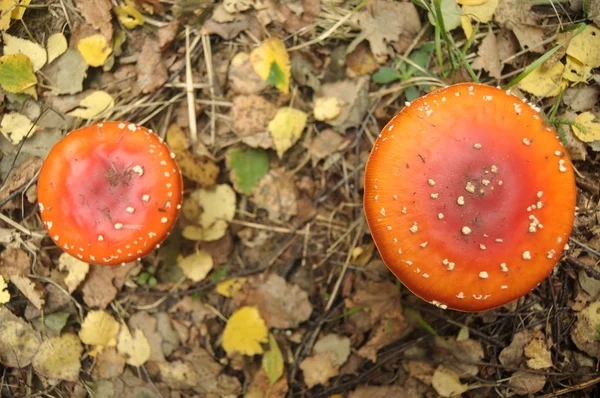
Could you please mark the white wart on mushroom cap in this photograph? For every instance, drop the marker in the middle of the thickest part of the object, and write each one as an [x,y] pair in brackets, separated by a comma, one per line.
[109,193]
[470,197]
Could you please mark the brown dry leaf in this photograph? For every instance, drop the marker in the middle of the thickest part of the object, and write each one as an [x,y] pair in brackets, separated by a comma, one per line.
[178,375]
[383,392]
[319,368]
[517,16]
[97,14]
[20,176]
[251,115]
[584,333]
[194,309]
[227,30]
[261,387]
[361,61]
[103,283]
[242,77]
[460,355]
[446,382]
[151,70]
[338,345]
[537,352]
[401,22]
[276,193]
[58,358]
[294,20]
[385,332]
[18,341]
[382,299]
[581,97]
[422,371]
[168,33]
[513,354]
[282,305]
[148,325]
[525,383]
[353,94]
[29,290]
[487,56]
[170,338]
[77,270]
[325,144]
[109,363]
[66,73]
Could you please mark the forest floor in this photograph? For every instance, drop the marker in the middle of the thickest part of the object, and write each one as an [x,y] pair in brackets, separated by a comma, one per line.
[270,284]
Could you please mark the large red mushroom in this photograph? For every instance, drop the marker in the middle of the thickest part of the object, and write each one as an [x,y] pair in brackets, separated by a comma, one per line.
[110,192]
[470,197]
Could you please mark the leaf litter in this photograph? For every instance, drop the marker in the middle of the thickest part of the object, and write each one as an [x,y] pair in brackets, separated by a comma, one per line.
[270,280]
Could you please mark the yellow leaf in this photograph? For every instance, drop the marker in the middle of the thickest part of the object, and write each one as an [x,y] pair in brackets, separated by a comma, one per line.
[585,47]
[19,10]
[286,128]
[482,13]
[16,127]
[544,82]
[272,361]
[327,108]
[35,52]
[471,2]
[230,287]
[56,46]
[94,49]
[76,268]
[16,73]
[466,26]
[6,9]
[576,72]
[586,127]
[135,348]
[58,358]
[129,16]
[99,329]
[271,62]
[4,294]
[196,266]
[93,105]
[245,332]
[218,206]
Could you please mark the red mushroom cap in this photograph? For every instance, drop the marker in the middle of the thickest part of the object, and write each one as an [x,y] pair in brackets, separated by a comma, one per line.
[109,193]
[470,197]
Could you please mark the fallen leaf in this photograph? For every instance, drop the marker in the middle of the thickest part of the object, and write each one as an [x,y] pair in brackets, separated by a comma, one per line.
[451,14]
[327,143]
[581,97]
[16,127]
[134,347]
[218,206]
[584,334]
[272,361]
[276,193]
[94,50]
[93,105]
[513,354]
[585,47]
[18,341]
[230,287]
[247,167]
[167,33]
[20,8]
[36,53]
[251,115]
[261,386]
[488,57]
[271,62]
[286,128]
[16,73]
[385,332]
[99,329]
[97,14]
[109,363]
[537,352]
[446,382]
[318,369]
[56,46]
[401,22]
[196,266]
[294,21]
[128,15]
[526,383]
[518,16]
[77,270]
[151,70]
[359,62]
[14,261]
[56,321]
[384,392]
[103,283]
[242,77]
[543,82]
[353,99]
[482,12]
[58,358]
[4,294]
[66,73]
[244,332]
[179,375]
[327,108]
[29,290]
[576,72]
[282,304]
[340,346]
[586,127]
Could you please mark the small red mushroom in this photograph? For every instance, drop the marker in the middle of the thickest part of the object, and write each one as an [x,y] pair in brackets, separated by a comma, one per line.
[109,193]
[470,197]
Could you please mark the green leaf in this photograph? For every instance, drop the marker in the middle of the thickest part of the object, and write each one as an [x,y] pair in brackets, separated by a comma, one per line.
[248,167]
[385,75]
[219,274]
[56,321]
[276,75]
[272,361]
[16,73]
